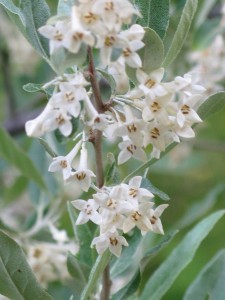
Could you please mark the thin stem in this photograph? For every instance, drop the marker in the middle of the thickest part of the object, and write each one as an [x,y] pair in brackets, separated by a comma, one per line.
[106,284]
[97,143]
[94,83]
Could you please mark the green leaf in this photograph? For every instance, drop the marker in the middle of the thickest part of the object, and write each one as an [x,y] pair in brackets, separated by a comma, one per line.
[151,54]
[47,148]
[129,289]
[30,16]
[182,255]
[16,278]
[199,208]
[95,274]
[109,78]
[15,14]
[78,270]
[155,15]
[204,8]
[212,104]
[83,235]
[63,59]
[112,176]
[16,189]
[36,87]
[64,7]
[36,14]
[181,32]
[146,183]
[16,157]
[163,243]
[210,281]
[204,36]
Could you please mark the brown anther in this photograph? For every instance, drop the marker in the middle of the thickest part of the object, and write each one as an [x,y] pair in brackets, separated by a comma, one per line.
[127,52]
[131,148]
[81,176]
[60,120]
[110,203]
[90,18]
[109,6]
[150,83]
[69,96]
[113,241]
[88,210]
[185,109]
[153,220]
[132,128]
[37,253]
[63,164]
[133,192]
[136,216]
[155,133]
[109,41]
[78,36]
[155,106]
[97,120]
[58,36]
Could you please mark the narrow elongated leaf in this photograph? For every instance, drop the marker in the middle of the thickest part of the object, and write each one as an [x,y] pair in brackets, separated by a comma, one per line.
[16,278]
[78,270]
[146,183]
[169,270]
[155,15]
[210,281]
[181,32]
[83,235]
[200,208]
[212,105]
[204,9]
[96,272]
[153,53]
[16,157]
[129,289]
[29,17]
[36,14]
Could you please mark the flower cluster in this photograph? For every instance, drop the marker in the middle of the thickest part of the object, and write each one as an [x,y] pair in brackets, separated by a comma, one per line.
[48,259]
[150,115]
[118,210]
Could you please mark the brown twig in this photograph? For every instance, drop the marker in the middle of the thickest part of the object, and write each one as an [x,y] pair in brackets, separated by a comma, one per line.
[97,143]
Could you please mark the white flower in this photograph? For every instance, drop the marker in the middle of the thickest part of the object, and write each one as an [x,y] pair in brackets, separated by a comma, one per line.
[68,98]
[132,127]
[139,218]
[114,12]
[110,240]
[56,34]
[107,43]
[156,109]
[77,35]
[50,119]
[63,163]
[59,236]
[186,113]
[113,202]
[134,35]
[150,84]
[135,193]
[154,216]
[159,136]
[128,150]
[88,211]
[82,176]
